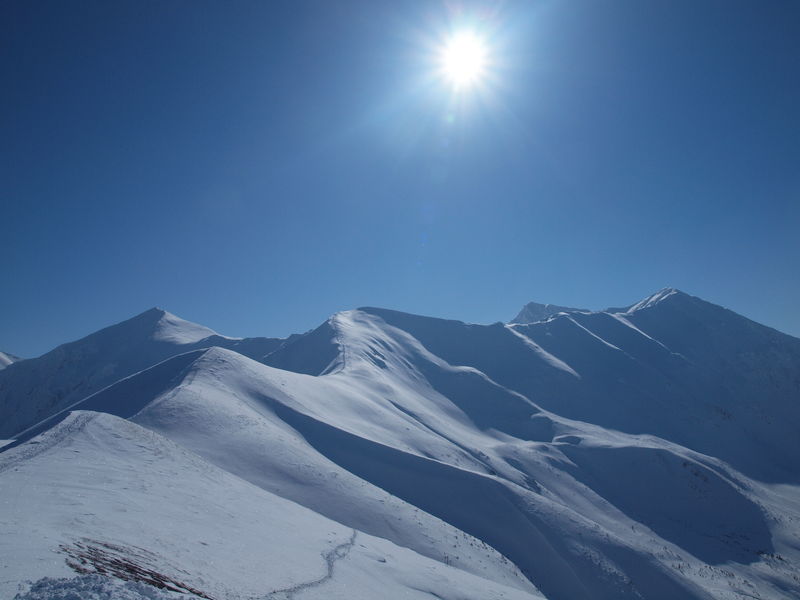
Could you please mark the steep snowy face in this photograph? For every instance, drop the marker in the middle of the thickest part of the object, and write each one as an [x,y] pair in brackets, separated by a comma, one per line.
[6,359]
[36,388]
[108,496]
[655,299]
[671,365]
[533,312]
[168,328]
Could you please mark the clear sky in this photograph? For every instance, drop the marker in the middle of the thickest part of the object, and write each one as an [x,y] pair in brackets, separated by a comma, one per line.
[257,166]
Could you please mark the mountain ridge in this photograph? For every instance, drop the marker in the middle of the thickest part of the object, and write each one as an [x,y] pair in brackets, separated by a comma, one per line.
[533,312]
[646,452]
[33,389]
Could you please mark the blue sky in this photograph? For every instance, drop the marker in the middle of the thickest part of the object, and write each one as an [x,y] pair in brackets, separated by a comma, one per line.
[257,166]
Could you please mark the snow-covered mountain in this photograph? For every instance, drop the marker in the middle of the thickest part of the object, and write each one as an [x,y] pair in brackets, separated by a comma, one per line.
[6,359]
[533,312]
[647,452]
[35,388]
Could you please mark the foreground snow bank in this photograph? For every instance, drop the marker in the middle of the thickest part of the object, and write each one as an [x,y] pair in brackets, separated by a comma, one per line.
[95,587]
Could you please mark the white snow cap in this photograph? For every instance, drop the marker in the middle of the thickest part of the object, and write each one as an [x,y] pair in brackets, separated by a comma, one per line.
[656,298]
[170,328]
[6,359]
[533,312]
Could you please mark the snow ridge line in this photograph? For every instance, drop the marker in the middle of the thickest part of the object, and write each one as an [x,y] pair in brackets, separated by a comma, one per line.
[51,438]
[339,337]
[330,557]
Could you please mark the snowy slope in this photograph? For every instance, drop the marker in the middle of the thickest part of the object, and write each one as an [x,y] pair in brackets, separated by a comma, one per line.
[6,359]
[502,353]
[36,388]
[104,493]
[646,452]
[672,365]
[683,369]
[223,406]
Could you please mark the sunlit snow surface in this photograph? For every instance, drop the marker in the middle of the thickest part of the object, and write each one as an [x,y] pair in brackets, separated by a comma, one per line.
[98,482]
[646,452]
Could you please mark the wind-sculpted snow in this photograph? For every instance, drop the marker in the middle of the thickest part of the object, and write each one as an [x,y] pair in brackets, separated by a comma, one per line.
[643,452]
[313,353]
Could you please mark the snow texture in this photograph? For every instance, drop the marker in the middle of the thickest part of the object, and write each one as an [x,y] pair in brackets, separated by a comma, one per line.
[95,587]
[644,452]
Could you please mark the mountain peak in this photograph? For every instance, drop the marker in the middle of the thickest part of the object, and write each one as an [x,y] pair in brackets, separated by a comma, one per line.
[660,296]
[150,316]
[171,328]
[533,312]
[163,326]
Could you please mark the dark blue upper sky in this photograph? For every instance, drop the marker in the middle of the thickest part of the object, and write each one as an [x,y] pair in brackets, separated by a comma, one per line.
[257,166]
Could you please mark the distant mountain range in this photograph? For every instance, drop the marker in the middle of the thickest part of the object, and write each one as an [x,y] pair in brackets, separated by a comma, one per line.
[534,312]
[641,452]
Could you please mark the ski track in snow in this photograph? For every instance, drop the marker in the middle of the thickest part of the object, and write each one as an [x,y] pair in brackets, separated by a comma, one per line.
[331,557]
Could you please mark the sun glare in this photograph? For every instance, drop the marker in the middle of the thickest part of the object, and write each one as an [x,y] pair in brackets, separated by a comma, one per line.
[463,59]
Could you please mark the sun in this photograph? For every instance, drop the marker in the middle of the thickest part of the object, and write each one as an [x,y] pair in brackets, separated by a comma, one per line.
[463,59]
